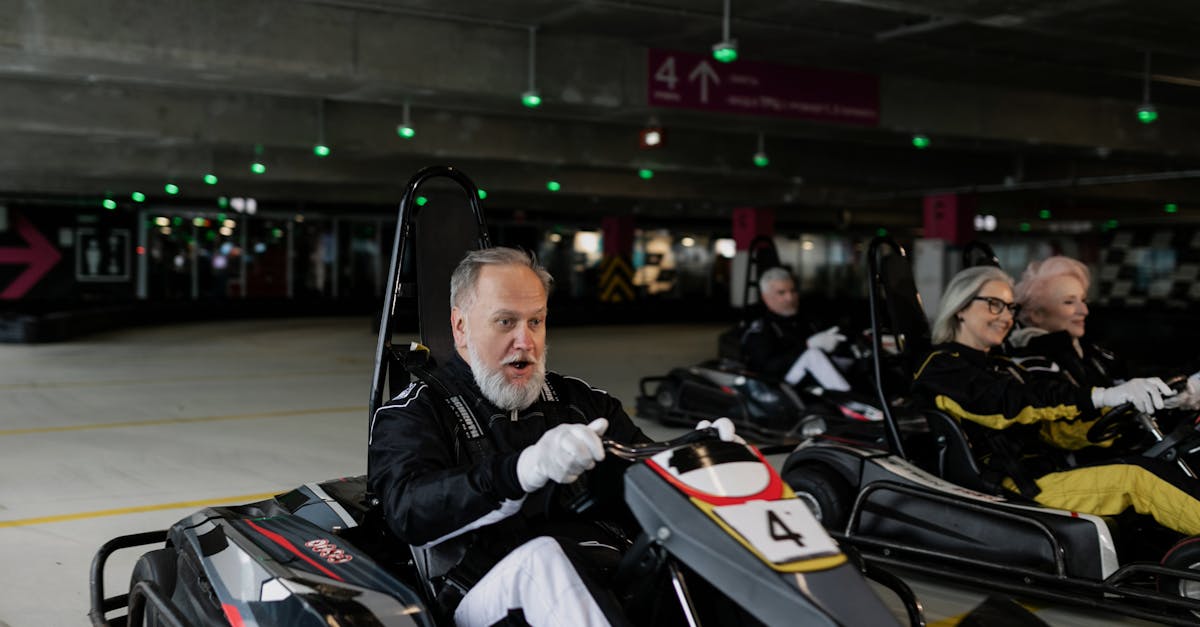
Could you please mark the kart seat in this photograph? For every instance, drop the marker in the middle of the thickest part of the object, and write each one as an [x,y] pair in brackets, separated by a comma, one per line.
[954,459]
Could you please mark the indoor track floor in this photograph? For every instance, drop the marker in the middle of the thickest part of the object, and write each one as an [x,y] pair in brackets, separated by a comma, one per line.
[130,431]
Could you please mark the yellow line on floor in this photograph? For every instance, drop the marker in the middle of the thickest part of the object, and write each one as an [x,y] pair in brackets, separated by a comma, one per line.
[120,511]
[173,421]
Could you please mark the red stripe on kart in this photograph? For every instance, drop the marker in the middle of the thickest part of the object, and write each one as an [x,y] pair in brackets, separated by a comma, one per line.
[281,541]
[772,492]
[232,615]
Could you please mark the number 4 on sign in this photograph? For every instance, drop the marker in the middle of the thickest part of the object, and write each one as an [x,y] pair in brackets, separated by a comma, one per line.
[666,73]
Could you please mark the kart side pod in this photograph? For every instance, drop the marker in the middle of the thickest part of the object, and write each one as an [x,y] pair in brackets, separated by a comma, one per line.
[720,508]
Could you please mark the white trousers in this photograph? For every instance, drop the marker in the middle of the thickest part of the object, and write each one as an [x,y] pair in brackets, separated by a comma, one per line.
[815,362]
[538,578]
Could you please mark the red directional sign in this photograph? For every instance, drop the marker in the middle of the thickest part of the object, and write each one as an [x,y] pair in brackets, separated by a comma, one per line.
[691,81]
[38,256]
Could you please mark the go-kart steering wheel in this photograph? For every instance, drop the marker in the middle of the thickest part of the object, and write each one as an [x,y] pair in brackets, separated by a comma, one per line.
[1111,425]
[634,452]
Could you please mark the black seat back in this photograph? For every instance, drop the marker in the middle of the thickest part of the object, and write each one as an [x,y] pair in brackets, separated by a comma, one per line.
[432,237]
[897,310]
[955,460]
[979,253]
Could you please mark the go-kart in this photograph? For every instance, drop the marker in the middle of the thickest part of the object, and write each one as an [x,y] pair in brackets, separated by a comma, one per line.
[766,410]
[721,535]
[922,503]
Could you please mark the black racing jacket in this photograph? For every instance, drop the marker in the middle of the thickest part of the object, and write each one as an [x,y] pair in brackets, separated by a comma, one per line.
[1055,353]
[1033,420]
[430,488]
[772,343]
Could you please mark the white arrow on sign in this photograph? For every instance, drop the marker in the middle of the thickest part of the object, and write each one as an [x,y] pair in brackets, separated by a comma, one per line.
[705,73]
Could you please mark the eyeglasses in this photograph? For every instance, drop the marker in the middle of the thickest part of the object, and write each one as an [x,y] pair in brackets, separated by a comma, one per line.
[995,305]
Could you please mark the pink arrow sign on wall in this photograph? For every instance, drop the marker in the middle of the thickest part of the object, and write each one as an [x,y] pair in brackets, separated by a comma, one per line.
[38,256]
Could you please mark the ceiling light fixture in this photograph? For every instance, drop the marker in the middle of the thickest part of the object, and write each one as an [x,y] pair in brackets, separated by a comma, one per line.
[651,136]
[531,98]
[321,149]
[726,50]
[920,141]
[1146,113]
[257,166]
[405,129]
[760,157]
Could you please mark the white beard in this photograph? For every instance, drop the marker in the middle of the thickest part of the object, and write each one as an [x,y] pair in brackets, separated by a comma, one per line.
[495,385]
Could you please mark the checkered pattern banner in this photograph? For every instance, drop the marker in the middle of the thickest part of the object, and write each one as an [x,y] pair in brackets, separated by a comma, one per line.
[1156,268]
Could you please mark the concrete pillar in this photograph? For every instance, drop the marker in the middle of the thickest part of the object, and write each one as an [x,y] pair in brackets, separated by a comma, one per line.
[748,224]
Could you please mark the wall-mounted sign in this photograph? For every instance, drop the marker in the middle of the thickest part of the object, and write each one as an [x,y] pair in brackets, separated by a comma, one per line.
[101,255]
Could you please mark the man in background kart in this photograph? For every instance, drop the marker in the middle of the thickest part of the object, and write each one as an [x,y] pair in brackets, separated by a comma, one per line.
[1023,429]
[1052,294]
[477,465]
[782,345]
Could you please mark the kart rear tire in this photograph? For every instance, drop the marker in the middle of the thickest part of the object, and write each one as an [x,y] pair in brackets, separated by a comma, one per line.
[1185,555]
[157,566]
[826,493]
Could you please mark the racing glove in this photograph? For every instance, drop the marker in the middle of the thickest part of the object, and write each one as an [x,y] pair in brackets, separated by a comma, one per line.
[561,454]
[724,427]
[826,340]
[1189,398]
[1145,394]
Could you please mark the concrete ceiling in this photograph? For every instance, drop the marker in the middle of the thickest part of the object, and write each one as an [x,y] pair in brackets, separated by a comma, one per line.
[1028,103]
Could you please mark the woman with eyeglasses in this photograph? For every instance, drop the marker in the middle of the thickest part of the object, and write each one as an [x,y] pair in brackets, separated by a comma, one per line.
[1052,294]
[1024,429]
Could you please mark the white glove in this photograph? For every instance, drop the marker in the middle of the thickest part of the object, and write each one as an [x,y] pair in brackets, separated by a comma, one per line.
[826,340]
[1145,394]
[561,454]
[1189,399]
[724,427]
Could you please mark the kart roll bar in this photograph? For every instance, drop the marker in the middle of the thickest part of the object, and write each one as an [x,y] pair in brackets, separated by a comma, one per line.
[890,284]
[978,253]
[761,256]
[402,276]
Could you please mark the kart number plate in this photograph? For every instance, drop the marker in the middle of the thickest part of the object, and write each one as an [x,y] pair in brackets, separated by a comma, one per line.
[781,531]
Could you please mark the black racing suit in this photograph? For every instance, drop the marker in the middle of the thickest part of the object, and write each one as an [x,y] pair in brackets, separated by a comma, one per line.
[1055,352]
[470,511]
[772,343]
[1023,428]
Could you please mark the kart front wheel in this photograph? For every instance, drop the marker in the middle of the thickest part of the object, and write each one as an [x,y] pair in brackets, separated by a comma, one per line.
[827,495]
[1185,555]
[157,567]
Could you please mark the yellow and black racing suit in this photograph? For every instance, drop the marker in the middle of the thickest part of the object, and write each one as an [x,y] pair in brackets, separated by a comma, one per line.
[1029,426]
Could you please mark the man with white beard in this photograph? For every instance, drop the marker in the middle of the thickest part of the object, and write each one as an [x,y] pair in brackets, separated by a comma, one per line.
[477,464]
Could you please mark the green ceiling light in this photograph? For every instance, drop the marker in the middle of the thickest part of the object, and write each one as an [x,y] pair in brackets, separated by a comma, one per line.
[725,51]
[646,174]
[138,197]
[210,178]
[109,203]
[171,188]
[421,200]
[223,202]
[321,150]
[1044,214]
[1024,227]
[1171,208]
[1146,113]
[760,156]
[1112,224]
[553,186]
[405,128]
[531,98]
[881,232]
[257,167]
[482,193]
[920,141]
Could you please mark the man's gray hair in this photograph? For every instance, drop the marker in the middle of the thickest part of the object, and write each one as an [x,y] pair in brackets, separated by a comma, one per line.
[964,287]
[466,275]
[772,275]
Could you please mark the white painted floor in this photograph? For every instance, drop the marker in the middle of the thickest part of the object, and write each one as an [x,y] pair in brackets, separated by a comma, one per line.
[131,431]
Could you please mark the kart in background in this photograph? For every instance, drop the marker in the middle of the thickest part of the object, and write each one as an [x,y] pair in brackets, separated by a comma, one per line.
[920,502]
